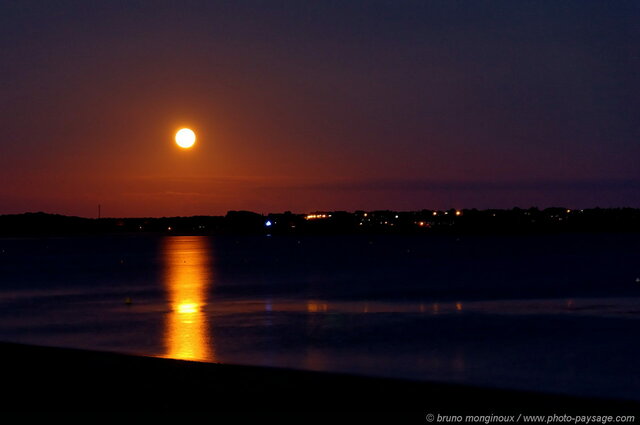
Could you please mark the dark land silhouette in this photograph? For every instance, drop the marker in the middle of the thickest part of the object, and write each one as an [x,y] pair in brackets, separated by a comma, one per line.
[466,221]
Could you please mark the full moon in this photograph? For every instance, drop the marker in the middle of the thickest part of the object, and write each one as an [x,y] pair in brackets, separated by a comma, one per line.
[185,138]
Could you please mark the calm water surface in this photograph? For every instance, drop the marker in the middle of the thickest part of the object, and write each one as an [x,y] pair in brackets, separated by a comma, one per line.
[547,313]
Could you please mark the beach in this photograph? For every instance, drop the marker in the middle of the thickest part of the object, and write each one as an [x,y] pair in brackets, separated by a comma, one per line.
[41,379]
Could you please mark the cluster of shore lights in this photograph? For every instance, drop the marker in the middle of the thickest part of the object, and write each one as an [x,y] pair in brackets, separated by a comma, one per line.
[458,213]
[421,223]
[317,216]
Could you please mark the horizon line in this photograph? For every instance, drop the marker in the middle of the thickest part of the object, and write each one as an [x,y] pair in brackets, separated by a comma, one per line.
[557,207]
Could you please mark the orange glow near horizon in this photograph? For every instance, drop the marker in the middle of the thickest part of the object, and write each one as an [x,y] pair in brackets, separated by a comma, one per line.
[187,279]
[317,307]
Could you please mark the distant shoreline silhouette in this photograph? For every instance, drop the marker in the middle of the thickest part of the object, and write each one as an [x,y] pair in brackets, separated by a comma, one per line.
[466,221]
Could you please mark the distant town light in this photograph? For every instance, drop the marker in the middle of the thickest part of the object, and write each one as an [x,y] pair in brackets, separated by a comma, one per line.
[268,223]
[316,216]
[458,212]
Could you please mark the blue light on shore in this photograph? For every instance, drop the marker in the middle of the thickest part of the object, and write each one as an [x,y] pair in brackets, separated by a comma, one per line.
[268,223]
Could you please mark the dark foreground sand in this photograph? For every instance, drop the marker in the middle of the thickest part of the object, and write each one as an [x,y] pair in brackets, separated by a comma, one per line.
[45,379]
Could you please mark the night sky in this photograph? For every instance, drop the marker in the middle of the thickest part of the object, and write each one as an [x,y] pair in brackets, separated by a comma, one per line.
[318,105]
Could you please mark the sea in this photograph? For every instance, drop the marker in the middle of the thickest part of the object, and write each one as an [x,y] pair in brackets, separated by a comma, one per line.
[549,313]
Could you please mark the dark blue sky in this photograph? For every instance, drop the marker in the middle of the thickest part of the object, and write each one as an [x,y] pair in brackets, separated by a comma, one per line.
[318,105]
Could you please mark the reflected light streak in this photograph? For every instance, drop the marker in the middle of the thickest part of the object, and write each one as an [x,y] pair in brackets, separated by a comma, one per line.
[187,279]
